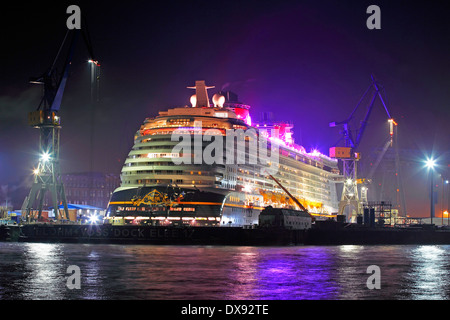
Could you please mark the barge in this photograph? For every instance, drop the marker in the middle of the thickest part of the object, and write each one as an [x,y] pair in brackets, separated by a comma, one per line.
[332,233]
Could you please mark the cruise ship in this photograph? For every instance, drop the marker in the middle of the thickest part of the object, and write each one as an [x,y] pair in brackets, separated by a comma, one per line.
[184,170]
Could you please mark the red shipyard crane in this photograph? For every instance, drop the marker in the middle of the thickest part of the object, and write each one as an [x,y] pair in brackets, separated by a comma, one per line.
[47,175]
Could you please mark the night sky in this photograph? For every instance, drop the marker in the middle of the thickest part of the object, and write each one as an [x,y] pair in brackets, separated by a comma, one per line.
[306,61]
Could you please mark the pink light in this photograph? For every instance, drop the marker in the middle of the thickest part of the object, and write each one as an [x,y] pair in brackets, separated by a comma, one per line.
[248,120]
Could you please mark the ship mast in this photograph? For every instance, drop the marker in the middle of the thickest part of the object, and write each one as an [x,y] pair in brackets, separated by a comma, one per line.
[201,94]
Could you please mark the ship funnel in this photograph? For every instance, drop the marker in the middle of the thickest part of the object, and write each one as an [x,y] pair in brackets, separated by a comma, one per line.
[201,94]
[218,100]
[194,100]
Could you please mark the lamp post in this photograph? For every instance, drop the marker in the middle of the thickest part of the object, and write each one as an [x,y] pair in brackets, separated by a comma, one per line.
[430,163]
[443,197]
[446,184]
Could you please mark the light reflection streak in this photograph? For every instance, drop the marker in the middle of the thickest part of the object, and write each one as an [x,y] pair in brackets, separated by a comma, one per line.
[245,275]
[429,275]
[46,279]
[92,278]
[351,270]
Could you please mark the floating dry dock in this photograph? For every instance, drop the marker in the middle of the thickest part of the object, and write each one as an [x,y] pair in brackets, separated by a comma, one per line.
[322,234]
[332,233]
[134,234]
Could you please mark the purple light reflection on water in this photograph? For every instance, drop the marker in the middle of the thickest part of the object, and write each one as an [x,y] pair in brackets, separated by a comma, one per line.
[38,271]
[307,273]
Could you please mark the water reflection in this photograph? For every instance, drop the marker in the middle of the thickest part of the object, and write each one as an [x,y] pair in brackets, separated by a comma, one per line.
[429,273]
[284,274]
[38,271]
[244,275]
[46,277]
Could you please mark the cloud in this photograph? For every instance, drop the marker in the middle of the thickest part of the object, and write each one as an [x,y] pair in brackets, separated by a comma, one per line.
[238,84]
[16,107]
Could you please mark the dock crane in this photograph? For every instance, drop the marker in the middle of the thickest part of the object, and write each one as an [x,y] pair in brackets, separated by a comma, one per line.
[298,203]
[47,175]
[349,155]
[289,194]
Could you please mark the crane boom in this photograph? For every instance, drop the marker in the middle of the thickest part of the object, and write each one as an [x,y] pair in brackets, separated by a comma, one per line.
[350,156]
[288,193]
[349,140]
[45,118]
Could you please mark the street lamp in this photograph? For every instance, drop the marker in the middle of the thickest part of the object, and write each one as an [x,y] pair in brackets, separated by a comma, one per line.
[430,163]
[443,200]
[445,213]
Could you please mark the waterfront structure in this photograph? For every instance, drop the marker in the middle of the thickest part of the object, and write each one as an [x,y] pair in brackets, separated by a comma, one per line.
[90,188]
[284,218]
[162,183]
[82,188]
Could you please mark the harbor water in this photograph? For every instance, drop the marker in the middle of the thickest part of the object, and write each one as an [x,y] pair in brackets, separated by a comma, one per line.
[41,271]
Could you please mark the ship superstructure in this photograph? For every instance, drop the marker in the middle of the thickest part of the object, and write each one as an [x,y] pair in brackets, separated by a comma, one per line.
[183,169]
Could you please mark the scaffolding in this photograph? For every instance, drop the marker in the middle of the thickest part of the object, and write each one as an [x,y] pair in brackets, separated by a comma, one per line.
[378,213]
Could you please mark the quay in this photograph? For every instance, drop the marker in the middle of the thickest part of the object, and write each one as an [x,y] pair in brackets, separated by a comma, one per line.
[323,234]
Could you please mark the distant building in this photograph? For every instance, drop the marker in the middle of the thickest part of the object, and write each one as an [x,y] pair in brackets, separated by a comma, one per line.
[93,189]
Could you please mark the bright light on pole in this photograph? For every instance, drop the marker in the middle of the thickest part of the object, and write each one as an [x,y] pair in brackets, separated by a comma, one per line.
[443,199]
[45,157]
[430,164]
[94,62]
